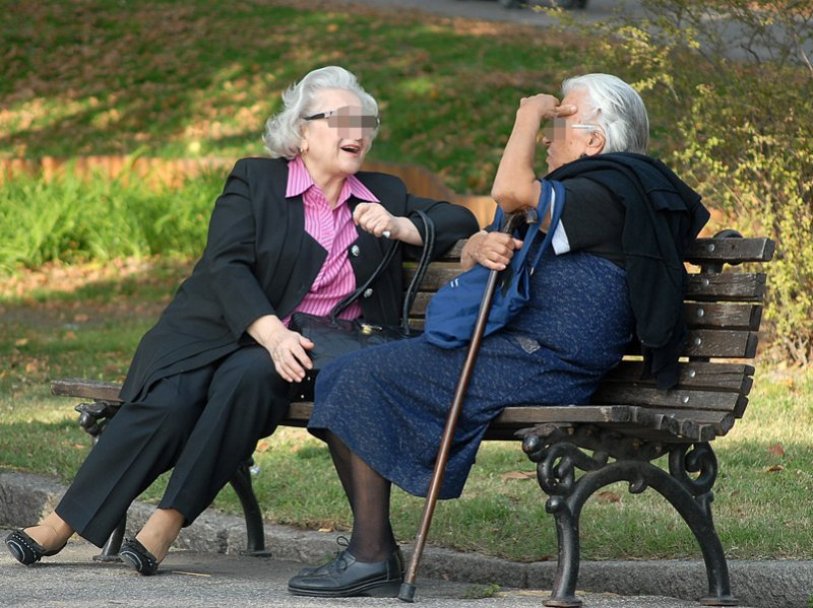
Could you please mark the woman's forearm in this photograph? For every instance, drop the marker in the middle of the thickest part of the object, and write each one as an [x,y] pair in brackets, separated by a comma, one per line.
[515,185]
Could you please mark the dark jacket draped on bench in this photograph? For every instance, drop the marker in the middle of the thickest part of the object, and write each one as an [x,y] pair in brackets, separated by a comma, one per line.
[662,218]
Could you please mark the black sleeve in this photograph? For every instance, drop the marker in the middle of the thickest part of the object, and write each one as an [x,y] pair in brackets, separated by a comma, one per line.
[593,219]
[452,223]
[230,252]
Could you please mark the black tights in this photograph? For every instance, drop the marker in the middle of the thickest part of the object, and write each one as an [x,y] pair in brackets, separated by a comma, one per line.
[369,496]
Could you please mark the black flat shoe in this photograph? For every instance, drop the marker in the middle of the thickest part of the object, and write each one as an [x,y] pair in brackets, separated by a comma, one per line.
[347,577]
[137,556]
[26,550]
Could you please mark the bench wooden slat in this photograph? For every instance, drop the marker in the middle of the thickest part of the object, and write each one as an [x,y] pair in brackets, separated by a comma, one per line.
[86,389]
[709,315]
[726,315]
[729,286]
[703,343]
[677,426]
[662,424]
[522,416]
[609,394]
[703,251]
[707,250]
[696,375]
[722,344]
[726,286]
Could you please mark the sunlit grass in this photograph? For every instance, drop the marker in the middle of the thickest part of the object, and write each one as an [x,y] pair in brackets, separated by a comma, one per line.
[158,83]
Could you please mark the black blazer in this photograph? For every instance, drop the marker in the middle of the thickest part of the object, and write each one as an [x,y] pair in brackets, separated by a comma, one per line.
[259,260]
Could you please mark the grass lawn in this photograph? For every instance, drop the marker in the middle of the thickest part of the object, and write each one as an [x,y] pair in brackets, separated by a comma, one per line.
[199,78]
[91,326]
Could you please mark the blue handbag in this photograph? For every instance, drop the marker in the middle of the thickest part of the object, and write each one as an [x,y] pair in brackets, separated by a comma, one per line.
[452,312]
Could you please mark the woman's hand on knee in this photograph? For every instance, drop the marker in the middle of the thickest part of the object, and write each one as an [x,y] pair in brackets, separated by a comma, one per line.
[287,348]
[289,352]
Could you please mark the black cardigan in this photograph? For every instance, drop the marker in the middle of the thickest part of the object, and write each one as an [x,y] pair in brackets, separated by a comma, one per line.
[662,218]
[259,260]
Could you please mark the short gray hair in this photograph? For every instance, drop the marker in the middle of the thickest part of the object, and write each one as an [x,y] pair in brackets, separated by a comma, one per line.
[618,108]
[283,131]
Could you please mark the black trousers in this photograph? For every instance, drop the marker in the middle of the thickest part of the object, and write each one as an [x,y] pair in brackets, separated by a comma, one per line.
[203,423]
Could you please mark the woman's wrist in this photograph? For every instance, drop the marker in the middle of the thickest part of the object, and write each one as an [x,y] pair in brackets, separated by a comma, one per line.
[407,231]
[467,257]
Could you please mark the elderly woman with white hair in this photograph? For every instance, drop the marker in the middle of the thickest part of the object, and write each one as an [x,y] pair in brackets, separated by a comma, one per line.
[614,270]
[294,232]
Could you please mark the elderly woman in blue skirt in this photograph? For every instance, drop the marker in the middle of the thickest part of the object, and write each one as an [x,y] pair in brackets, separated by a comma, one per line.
[610,273]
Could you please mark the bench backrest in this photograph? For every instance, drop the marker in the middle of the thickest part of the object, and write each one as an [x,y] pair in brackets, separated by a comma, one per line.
[723,308]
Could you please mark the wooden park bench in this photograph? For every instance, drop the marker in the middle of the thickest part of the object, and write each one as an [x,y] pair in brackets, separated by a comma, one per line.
[629,425]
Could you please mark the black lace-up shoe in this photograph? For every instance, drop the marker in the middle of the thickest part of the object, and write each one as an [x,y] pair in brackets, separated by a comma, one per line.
[345,576]
[26,550]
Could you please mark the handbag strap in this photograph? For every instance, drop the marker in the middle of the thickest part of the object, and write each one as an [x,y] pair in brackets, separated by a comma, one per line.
[420,271]
[426,256]
[554,194]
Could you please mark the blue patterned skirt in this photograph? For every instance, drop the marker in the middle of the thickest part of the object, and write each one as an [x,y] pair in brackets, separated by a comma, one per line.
[389,403]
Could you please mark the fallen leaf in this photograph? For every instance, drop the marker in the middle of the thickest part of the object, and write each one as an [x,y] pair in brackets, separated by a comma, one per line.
[21,342]
[262,446]
[776,450]
[81,318]
[69,335]
[326,529]
[775,468]
[518,475]
[608,497]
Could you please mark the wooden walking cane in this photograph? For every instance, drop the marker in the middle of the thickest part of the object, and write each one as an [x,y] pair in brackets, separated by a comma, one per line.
[407,591]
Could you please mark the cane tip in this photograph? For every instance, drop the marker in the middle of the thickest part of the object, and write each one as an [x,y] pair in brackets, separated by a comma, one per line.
[407,592]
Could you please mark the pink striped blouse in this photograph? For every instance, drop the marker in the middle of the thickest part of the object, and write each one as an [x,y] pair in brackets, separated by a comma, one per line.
[334,230]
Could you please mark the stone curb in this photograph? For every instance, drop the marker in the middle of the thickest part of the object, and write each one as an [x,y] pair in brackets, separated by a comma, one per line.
[761,584]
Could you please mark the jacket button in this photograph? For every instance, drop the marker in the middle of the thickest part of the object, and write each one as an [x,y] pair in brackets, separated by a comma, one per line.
[354,251]
[368,292]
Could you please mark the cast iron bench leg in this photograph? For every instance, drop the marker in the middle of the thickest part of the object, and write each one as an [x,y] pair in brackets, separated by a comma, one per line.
[255,533]
[691,497]
[110,551]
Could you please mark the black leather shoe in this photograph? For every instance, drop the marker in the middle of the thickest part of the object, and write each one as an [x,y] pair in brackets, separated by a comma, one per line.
[346,577]
[137,556]
[26,550]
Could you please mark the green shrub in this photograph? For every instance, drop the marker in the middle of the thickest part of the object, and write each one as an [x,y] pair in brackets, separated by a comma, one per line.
[72,219]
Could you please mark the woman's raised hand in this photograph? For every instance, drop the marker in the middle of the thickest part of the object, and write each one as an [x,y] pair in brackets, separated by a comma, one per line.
[375,219]
[545,106]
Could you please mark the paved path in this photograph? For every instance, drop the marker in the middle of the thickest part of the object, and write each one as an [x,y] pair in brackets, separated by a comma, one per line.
[189,579]
[206,568]
[596,11]
[491,10]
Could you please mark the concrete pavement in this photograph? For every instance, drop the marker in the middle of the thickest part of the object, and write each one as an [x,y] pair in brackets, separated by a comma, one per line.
[207,569]
[189,579]
[599,11]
